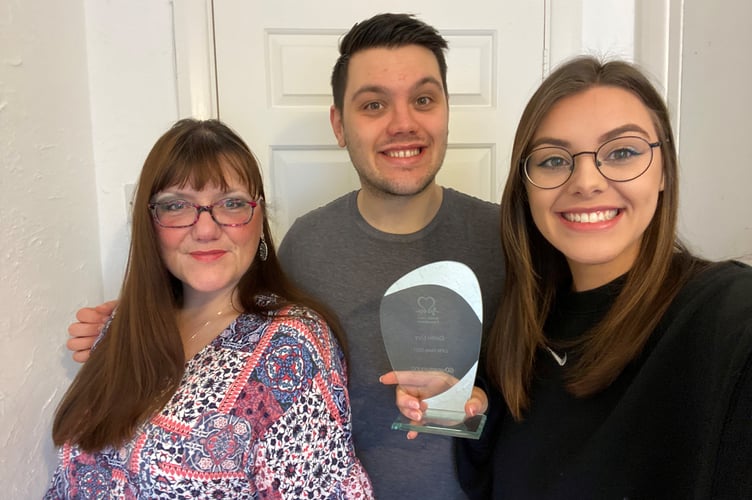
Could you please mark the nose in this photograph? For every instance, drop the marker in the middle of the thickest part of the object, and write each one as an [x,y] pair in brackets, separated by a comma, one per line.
[586,179]
[402,120]
[205,227]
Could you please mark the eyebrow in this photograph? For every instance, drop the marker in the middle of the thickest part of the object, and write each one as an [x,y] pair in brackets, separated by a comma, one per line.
[166,195]
[380,89]
[611,134]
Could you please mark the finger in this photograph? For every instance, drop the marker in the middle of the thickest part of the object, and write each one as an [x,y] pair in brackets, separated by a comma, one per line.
[408,405]
[472,408]
[84,329]
[407,400]
[90,315]
[414,434]
[107,308]
[389,378]
[81,356]
[80,343]
[433,381]
[477,404]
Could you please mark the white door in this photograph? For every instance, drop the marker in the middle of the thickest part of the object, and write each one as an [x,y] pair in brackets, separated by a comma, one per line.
[274,59]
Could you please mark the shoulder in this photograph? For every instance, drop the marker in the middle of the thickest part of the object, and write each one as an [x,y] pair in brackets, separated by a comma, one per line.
[713,312]
[305,234]
[288,319]
[470,217]
[304,326]
[723,287]
[462,201]
[327,215]
[474,223]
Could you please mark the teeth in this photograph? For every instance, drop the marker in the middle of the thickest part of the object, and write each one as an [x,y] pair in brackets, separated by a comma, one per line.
[403,153]
[591,217]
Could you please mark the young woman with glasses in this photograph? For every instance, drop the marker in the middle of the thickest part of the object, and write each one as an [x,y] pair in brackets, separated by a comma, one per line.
[215,378]
[620,365]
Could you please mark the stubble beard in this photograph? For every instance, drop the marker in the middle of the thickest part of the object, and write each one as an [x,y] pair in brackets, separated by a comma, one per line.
[384,187]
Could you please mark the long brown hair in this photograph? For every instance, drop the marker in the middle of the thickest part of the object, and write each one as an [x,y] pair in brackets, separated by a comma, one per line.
[535,269]
[139,362]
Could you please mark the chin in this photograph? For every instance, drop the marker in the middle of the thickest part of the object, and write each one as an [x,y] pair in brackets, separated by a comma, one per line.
[408,189]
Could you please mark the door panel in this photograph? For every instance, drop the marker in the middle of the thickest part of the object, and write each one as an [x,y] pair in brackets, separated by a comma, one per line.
[274,60]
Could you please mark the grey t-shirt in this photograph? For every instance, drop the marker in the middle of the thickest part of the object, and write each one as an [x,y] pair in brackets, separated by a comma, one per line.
[336,256]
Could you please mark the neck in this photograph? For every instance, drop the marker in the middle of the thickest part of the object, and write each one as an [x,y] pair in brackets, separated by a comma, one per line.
[199,308]
[400,214]
[202,318]
[589,277]
[196,302]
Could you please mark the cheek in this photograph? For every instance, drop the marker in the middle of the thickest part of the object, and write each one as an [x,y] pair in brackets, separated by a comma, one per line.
[167,239]
[646,193]
[247,237]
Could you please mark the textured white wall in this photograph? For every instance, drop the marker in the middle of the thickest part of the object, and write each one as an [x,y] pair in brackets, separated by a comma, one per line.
[50,251]
[133,101]
[716,106]
[85,89]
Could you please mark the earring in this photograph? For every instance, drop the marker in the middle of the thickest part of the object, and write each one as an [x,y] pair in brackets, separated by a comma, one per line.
[263,250]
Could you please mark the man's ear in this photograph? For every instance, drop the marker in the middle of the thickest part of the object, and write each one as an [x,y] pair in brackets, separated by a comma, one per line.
[335,118]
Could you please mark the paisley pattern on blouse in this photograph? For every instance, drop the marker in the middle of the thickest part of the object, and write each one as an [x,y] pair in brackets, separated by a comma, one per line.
[261,412]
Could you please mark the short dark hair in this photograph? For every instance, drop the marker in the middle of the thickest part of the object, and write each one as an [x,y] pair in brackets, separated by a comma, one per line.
[386,31]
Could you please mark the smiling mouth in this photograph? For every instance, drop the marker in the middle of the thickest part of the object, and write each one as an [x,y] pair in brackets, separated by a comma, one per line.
[403,153]
[591,217]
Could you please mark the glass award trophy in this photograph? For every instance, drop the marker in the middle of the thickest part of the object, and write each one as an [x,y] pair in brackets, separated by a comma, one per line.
[431,323]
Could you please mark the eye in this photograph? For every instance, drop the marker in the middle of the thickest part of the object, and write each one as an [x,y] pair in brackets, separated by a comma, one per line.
[423,101]
[373,106]
[550,159]
[175,206]
[622,154]
[622,150]
[232,204]
[554,162]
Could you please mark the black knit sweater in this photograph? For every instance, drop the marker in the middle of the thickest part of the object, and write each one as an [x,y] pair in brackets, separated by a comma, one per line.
[677,423]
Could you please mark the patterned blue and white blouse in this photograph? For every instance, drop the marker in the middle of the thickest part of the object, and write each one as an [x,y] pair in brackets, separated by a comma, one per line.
[261,412]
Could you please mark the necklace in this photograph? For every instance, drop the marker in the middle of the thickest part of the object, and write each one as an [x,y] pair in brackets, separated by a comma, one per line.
[205,324]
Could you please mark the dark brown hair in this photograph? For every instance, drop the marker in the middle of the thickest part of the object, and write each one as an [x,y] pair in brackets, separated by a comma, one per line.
[138,364]
[385,31]
[535,269]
